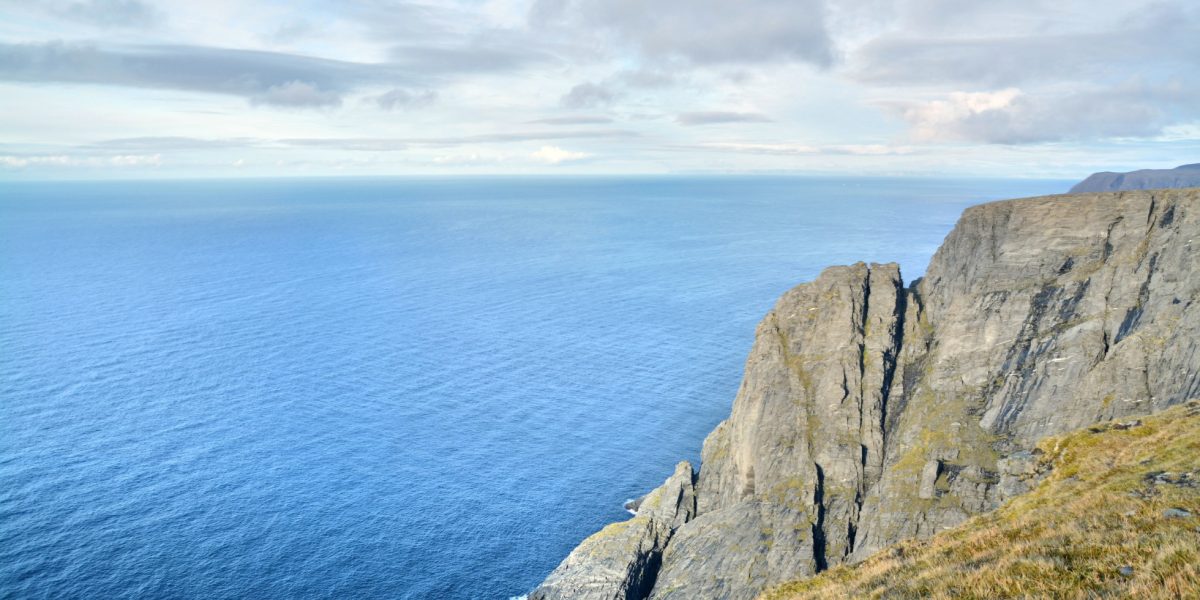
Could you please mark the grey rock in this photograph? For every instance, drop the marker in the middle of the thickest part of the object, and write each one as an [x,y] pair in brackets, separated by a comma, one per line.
[620,561]
[753,541]
[1187,480]
[1019,472]
[1183,176]
[1176,513]
[1041,316]
[1126,571]
[929,475]
[871,412]
[633,505]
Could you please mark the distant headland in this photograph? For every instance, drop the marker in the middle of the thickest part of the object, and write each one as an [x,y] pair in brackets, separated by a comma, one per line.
[1183,176]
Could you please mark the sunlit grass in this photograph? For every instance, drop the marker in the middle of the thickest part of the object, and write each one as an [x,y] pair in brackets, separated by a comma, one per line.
[1095,527]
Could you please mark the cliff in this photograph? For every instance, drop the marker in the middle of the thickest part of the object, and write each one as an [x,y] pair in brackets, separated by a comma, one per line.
[1183,176]
[872,412]
[1114,516]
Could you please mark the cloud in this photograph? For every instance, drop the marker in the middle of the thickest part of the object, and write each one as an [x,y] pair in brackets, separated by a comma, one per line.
[377,144]
[703,32]
[715,117]
[588,95]
[170,143]
[508,77]
[136,160]
[1155,39]
[649,77]
[64,160]
[114,14]
[611,89]
[391,20]
[484,138]
[947,119]
[573,120]
[1011,61]
[470,159]
[554,155]
[788,149]
[272,78]
[470,56]
[21,162]
[261,77]
[1011,116]
[1036,71]
[298,94]
[292,30]
[401,98]
[351,144]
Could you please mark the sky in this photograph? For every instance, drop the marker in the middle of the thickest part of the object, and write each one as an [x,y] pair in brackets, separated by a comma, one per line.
[226,88]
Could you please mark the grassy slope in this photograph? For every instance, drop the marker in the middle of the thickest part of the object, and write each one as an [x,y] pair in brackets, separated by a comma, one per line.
[1098,510]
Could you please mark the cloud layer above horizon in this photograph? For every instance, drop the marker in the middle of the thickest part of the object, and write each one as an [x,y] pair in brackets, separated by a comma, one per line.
[1034,88]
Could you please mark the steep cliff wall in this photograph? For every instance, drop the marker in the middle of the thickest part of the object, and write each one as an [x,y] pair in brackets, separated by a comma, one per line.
[1114,516]
[871,412]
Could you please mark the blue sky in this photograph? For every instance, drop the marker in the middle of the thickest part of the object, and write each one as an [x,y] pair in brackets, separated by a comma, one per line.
[1028,88]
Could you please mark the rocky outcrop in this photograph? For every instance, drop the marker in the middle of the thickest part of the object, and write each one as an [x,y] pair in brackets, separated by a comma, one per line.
[871,412]
[1183,176]
[783,479]
[621,561]
[1036,317]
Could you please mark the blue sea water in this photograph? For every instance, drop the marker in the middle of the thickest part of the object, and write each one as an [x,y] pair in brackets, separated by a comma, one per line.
[367,388]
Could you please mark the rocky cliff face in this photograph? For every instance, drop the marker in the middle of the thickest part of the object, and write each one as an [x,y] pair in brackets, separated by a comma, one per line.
[1182,176]
[871,412]
[622,560]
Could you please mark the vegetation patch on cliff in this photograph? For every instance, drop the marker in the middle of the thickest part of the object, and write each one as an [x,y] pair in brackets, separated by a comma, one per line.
[1118,515]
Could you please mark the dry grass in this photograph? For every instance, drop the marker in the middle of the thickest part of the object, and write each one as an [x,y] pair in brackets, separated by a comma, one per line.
[1097,511]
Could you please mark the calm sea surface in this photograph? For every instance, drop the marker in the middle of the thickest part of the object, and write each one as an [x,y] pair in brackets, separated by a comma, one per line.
[385,388]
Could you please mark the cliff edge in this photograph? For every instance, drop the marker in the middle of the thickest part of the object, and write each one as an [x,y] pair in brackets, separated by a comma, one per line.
[872,412]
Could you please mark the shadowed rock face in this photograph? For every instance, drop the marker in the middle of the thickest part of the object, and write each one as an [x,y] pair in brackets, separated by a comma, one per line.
[871,412]
[1183,176]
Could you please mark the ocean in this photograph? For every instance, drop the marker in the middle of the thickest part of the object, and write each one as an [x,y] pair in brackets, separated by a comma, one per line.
[386,388]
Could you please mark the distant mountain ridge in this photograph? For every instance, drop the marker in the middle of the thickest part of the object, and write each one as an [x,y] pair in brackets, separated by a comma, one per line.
[1183,176]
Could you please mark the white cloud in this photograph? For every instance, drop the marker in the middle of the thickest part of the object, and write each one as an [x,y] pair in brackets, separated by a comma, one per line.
[63,160]
[1011,116]
[942,119]
[554,155]
[136,160]
[20,162]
